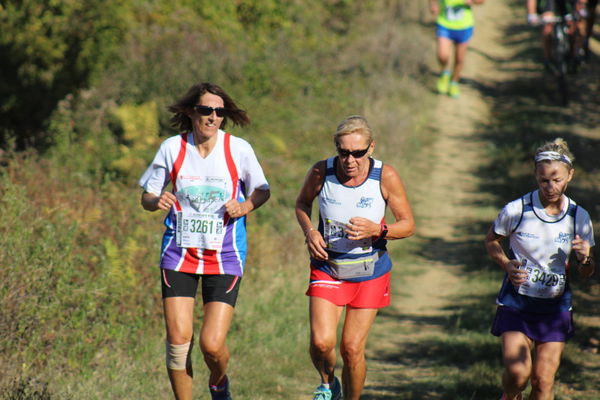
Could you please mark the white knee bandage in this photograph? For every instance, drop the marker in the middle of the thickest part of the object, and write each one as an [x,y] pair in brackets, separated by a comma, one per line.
[179,355]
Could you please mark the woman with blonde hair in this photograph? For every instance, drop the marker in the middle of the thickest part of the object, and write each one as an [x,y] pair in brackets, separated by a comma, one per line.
[349,263]
[544,227]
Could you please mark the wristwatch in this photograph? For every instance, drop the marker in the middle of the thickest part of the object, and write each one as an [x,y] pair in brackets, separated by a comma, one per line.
[384,230]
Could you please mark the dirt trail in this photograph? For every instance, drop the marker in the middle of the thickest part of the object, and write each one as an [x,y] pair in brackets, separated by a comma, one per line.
[444,205]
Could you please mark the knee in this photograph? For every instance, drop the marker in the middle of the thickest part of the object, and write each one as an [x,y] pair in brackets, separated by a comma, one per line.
[353,353]
[322,344]
[178,356]
[518,375]
[179,333]
[542,383]
[212,346]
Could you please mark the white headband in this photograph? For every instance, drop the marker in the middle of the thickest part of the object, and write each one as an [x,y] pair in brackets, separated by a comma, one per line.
[552,156]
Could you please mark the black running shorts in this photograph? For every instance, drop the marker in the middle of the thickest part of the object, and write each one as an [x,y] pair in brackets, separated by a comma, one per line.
[223,288]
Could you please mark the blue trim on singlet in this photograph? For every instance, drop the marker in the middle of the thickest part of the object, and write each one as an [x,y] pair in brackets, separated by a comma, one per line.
[384,264]
[508,295]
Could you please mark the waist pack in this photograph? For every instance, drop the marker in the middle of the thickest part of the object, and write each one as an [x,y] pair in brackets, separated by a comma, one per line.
[347,268]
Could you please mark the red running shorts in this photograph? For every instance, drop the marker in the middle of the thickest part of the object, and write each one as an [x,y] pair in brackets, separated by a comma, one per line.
[374,293]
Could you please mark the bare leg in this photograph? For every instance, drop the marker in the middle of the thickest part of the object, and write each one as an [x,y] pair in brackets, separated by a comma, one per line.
[324,317]
[516,355]
[215,325]
[460,53]
[547,361]
[444,49]
[178,321]
[354,339]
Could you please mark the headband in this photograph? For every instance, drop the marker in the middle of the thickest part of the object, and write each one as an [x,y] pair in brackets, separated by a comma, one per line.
[552,156]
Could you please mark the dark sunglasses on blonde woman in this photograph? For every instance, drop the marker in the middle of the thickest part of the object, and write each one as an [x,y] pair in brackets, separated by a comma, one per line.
[356,153]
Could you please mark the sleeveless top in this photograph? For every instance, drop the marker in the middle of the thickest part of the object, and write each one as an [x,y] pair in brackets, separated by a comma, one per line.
[339,203]
[455,14]
[542,243]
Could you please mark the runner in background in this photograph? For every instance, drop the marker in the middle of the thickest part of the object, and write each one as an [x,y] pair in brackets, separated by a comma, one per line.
[454,31]
[216,181]
[534,312]
[349,264]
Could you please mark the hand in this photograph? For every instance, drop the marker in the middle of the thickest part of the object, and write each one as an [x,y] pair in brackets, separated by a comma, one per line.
[235,209]
[362,228]
[165,201]
[533,19]
[516,275]
[581,248]
[316,245]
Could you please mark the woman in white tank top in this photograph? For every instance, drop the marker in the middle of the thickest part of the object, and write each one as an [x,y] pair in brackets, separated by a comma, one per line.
[534,304]
[350,267]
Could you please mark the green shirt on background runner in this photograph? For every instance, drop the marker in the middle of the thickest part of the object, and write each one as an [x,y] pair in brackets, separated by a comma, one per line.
[455,15]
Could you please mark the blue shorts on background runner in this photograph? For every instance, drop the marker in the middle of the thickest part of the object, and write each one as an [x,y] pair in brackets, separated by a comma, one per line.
[456,35]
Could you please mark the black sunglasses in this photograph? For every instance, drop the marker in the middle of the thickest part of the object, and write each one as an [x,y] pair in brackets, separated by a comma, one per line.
[206,110]
[356,153]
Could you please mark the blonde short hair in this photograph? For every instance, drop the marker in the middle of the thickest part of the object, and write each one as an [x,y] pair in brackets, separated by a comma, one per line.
[353,124]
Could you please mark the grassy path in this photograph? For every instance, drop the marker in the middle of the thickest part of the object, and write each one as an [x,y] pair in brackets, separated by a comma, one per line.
[433,343]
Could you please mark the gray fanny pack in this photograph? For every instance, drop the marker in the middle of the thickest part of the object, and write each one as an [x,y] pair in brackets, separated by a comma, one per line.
[347,268]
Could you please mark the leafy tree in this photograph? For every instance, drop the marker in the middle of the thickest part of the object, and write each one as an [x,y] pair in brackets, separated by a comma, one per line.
[48,49]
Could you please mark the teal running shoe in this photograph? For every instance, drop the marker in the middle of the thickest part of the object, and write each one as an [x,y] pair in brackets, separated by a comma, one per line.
[334,392]
[322,393]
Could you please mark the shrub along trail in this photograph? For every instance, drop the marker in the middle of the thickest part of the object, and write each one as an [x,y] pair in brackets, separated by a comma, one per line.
[434,341]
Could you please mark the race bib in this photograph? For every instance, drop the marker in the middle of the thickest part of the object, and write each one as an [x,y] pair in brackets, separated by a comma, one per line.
[455,13]
[336,239]
[541,282]
[200,221]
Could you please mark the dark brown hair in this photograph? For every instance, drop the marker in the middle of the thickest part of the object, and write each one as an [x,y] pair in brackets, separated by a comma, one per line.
[185,104]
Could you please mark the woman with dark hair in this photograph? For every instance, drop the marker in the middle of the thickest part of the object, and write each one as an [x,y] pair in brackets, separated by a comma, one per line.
[534,304]
[216,180]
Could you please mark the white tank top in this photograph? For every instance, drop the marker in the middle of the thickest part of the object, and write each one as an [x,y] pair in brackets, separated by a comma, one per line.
[339,203]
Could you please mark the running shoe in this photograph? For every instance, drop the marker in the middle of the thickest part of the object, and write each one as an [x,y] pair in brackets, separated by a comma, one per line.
[336,389]
[333,392]
[454,90]
[220,392]
[443,82]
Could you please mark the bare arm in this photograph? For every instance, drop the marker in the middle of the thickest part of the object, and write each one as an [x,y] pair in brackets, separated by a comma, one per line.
[394,194]
[585,256]
[496,252]
[434,7]
[310,189]
[152,202]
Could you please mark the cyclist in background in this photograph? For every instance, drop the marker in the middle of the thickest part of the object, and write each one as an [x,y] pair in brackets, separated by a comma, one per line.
[454,27]
[540,11]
